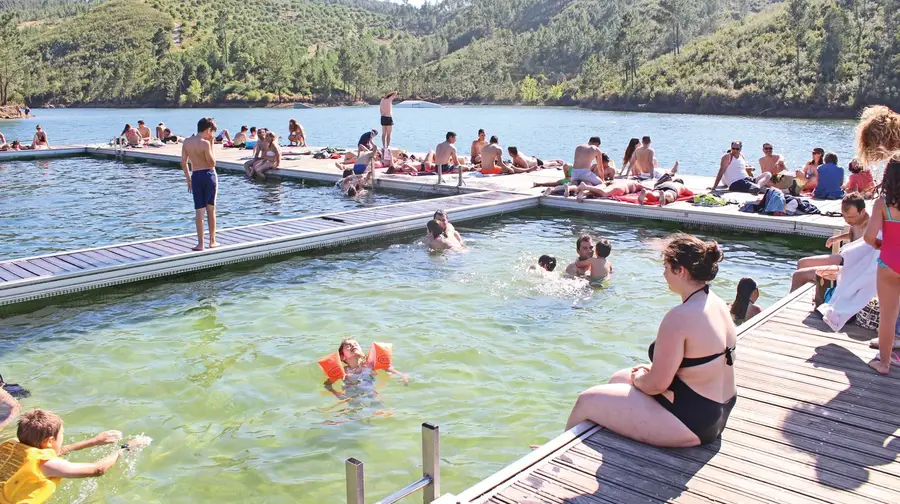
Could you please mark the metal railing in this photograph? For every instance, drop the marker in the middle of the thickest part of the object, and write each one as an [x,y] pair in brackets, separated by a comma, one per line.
[429,483]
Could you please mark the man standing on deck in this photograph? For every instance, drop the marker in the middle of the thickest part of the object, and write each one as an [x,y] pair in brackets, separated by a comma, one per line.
[199,165]
[477,145]
[144,131]
[445,154]
[585,156]
[387,118]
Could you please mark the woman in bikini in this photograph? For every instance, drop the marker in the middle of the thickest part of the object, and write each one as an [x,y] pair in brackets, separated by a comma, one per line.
[626,159]
[296,135]
[878,139]
[683,398]
[271,157]
[810,172]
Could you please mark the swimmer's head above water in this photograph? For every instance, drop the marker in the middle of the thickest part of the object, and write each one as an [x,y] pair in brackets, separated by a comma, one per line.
[585,247]
[547,262]
[351,353]
[435,229]
[603,248]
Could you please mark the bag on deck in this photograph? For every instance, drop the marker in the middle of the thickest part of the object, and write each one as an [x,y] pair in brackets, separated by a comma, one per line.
[773,202]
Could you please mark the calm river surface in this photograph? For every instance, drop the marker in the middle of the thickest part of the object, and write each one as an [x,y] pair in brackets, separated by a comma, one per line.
[219,367]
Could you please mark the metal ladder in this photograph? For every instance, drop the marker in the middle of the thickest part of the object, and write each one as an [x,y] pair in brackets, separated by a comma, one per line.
[429,483]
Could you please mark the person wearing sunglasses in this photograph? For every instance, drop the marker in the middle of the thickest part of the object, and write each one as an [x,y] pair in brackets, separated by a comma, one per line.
[808,177]
[736,173]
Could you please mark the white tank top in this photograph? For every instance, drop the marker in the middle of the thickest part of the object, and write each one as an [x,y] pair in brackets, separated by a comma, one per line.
[734,171]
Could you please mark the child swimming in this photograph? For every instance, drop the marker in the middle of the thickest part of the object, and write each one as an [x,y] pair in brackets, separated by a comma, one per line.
[359,369]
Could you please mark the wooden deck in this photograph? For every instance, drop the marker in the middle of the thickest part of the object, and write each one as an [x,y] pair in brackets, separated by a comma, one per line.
[54,274]
[813,424]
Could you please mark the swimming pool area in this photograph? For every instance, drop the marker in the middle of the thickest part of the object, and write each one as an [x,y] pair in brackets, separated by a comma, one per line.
[55,205]
[219,367]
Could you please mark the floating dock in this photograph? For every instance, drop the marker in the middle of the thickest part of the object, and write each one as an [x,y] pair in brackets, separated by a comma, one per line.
[813,424]
[62,273]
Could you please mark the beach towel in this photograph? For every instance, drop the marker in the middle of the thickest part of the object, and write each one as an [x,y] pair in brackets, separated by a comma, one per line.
[856,284]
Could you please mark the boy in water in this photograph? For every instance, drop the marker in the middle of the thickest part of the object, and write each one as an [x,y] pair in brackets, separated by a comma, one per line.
[357,371]
[597,267]
[548,263]
[41,434]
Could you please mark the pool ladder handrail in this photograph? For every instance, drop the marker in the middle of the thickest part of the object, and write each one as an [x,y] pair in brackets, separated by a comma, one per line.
[429,483]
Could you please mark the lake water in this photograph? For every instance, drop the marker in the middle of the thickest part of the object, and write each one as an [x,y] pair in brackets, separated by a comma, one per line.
[697,142]
[220,368]
[54,205]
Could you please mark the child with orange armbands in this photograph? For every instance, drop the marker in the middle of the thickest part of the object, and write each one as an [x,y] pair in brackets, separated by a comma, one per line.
[356,368]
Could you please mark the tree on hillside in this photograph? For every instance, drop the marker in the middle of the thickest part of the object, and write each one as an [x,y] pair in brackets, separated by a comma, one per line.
[675,14]
[797,19]
[10,57]
[830,54]
[162,42]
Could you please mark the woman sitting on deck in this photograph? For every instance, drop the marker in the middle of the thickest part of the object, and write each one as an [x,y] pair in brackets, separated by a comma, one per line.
[685,396]
[270,158]
[40,139]
[132,136]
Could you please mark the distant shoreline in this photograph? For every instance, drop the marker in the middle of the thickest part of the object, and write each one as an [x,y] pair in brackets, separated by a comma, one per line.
[777,111]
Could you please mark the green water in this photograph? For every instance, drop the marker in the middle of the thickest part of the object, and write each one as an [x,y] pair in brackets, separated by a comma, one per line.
[219,368]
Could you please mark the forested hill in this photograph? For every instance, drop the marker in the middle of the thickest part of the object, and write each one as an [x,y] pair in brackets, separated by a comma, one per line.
[807,57]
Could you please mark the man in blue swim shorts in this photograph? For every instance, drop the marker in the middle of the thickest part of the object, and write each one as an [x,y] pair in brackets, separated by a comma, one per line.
[199,164]
[362,162]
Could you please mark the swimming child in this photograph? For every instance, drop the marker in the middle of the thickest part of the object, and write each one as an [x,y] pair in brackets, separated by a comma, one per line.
[598,267]
[40,438]
[547,262]
[359,369]
[743,306]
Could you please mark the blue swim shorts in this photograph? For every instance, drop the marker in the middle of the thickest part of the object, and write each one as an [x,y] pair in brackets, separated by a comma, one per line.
[204,185]
[359,169]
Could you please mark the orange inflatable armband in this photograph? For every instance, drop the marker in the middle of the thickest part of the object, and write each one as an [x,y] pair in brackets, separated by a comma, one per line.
[332,367]
[380,355]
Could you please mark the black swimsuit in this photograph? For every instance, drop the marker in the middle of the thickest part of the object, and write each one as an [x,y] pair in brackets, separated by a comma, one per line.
[704,417]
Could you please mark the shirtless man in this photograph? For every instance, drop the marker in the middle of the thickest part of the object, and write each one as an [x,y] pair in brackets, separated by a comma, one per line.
[769,163]
[492,162]
[438,239]
[240,140]
[531,163]
[643,162]
[445,154]
[477,145]
[585,248]
[160,128]
[441,217]
[853,209]
[387,118]
[612,189]
[587,155]
[144,131]
[199,165]
[597,266]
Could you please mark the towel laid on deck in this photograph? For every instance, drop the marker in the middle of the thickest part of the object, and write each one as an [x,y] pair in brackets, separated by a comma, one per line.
[856,284]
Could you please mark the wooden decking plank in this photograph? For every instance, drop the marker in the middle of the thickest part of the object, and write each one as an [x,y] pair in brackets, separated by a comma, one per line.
[125,253]
[74,259]
[833,473]
[33,268]
[808,417]
[62,264]
[142,253]
[17,270]
[47,266]
[268,230]
[766,377]
[175,244]
[314,222]
[796,368]
[8,276]
[113,256]
[846,462]
[283,229]
[248,236]
[100,259]
[147,247]
[169,248]
[649,481]
[306,226]
[752,480]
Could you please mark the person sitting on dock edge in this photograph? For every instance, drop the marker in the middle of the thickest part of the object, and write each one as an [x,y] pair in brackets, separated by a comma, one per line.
[853,209]
[144,131]
[478,144]
[684,397]
[445,154]
[734,170]
[199,164]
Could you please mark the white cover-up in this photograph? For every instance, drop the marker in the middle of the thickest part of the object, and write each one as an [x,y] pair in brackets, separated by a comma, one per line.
[856,284]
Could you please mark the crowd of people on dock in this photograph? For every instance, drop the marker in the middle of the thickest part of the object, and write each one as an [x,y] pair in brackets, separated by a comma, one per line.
[684,395]
[38,142]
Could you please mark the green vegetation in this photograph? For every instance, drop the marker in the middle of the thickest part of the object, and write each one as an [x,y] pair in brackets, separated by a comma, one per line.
[758,56]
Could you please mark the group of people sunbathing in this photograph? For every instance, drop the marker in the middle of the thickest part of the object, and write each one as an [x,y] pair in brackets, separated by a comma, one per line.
[38,142]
